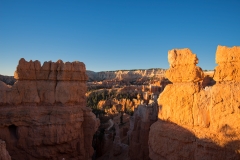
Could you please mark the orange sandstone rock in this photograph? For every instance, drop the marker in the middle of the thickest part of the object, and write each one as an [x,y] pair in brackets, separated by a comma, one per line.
[183,66]
[43,72]
[199,123]
[226,54]
[178,106]
[177,57]
[228,60]
[54,82]
[74,71]
[44,114]
[70,92]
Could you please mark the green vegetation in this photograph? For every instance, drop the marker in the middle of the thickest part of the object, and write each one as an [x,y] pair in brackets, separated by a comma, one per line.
[94,96]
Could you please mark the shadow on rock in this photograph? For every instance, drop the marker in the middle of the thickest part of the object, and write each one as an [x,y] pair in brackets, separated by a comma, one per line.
[170,141]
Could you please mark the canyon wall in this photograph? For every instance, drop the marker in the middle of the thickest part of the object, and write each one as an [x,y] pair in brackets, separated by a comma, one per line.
[198,122]
[44,114]
[128,75]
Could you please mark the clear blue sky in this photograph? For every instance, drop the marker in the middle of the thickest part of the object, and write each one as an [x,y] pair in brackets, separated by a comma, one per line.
[115,34]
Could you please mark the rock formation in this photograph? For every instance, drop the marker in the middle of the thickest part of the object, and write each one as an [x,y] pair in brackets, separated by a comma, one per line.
[117,145]
[9,80]
[129,75]
[144,116]
[3,152]
[115,150]
[183,66]
[198,123]
[228,64]
[43,115]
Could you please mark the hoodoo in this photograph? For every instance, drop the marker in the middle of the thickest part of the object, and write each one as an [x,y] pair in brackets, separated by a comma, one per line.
[198,123]
[44,114]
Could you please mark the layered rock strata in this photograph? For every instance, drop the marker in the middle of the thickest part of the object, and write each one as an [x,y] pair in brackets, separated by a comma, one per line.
[128,75]
[198,123]
[43,115]
[144,116]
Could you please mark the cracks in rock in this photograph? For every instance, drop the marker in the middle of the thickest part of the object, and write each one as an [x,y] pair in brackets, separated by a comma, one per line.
[49,115]
[192,109]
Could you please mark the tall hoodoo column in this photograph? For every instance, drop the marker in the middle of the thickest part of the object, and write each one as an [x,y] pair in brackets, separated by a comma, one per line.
[185,75]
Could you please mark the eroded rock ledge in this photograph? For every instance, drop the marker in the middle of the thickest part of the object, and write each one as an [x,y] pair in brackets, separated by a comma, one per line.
[44,114]
[198,123]
[52,83]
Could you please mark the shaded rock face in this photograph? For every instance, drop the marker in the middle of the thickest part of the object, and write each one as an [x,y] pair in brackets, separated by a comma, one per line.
[144,116]
[3,152]
[9,80]
[43,115]
[196,123]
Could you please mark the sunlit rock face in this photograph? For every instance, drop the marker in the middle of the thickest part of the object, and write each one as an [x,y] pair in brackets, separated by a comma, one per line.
[228,64]
[183,66]
[195,122]
[44,114]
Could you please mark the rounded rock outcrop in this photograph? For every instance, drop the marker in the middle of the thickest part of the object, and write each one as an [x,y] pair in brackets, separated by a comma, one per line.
[183,66]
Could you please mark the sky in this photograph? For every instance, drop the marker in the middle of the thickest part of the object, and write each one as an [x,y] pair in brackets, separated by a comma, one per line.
[115,34]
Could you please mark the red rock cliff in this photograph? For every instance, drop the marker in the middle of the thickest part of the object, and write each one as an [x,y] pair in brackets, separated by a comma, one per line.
[198,123]
[43,115]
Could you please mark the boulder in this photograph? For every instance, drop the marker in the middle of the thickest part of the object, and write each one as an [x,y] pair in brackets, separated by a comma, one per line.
[183,66]
[228,60]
